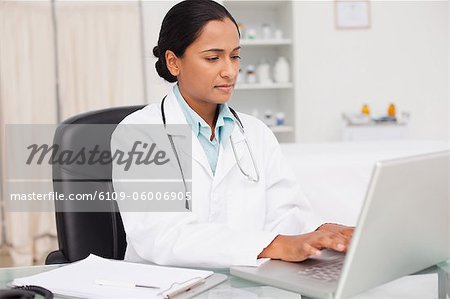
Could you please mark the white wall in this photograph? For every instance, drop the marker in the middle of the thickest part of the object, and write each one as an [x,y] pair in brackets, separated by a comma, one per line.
[153,14]
[402,58]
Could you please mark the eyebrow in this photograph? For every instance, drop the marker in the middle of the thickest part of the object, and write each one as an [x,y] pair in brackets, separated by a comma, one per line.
[219,50]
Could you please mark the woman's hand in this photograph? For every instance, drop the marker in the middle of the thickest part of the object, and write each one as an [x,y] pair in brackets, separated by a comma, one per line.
[301,247]
[343,230]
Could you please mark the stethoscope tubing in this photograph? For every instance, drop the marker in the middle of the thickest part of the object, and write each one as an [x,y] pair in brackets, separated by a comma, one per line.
[241,128]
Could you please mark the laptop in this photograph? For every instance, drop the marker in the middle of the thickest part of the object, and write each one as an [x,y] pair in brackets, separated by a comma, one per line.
[403,228]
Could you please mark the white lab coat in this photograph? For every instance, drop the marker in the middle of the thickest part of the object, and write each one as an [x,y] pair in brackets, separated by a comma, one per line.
[232,218]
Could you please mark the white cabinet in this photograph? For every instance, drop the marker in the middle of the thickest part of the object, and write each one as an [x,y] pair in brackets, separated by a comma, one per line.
[276,97]
[371,131]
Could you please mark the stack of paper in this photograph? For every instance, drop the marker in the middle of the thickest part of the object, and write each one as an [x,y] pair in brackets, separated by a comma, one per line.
[80,279]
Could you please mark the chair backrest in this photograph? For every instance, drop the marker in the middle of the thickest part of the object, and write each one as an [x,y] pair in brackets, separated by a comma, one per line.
[82,233]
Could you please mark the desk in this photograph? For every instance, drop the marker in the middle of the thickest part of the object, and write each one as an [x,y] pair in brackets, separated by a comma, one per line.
[239,288]
[232,288]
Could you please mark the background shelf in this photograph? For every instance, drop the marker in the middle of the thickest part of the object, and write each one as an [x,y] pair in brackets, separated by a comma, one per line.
[256,99]
[266,42]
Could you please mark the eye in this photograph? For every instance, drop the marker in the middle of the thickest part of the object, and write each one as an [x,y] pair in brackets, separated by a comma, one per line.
[237,57]
[212,58]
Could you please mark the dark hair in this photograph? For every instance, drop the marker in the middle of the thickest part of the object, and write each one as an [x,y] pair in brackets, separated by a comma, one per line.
[181,27]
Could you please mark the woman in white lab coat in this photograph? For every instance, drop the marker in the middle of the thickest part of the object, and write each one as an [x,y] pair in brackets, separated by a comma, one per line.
[235,218]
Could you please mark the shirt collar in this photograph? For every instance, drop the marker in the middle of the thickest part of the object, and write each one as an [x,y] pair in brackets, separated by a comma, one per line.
[224,123]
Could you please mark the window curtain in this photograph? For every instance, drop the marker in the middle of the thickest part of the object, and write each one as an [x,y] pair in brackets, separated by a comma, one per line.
[94,51]
[27,96]
[100,55]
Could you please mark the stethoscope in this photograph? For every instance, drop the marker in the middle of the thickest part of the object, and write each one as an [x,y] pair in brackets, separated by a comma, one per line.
[241,128]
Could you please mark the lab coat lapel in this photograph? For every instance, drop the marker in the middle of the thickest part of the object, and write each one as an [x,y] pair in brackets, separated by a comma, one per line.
[198,154]
[174,115]
[227,160]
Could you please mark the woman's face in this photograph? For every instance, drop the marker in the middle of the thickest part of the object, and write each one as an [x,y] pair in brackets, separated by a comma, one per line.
[208,70]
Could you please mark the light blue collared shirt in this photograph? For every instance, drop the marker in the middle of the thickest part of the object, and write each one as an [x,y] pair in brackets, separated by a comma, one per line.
[224,128]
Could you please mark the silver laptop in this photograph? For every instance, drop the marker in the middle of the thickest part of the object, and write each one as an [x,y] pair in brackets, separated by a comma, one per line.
[403,228]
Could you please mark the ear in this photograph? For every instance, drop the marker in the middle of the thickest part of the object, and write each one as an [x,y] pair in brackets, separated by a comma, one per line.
[173,63]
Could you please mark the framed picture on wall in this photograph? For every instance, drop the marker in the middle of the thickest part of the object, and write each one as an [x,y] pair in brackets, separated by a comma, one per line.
[352,14]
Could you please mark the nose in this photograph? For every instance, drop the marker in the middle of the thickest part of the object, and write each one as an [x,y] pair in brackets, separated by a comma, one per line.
[230,69]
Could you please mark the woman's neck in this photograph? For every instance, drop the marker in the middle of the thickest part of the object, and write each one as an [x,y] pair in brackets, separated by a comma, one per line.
[207,111]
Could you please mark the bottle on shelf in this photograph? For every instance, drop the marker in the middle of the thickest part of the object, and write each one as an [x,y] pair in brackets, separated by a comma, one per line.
[268,118]
[281,70]
[365,110]
[250,33]
[280,119]
[251,74]
[391,110]
[266,31]
[263,73]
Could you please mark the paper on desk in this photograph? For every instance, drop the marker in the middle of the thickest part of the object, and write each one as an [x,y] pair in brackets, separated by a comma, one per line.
[77,279]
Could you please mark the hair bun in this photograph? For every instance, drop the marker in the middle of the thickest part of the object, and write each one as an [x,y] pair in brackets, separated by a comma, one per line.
[156,51]
[163,72]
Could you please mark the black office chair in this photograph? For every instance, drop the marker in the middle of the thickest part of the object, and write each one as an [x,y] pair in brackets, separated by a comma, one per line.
[82,233]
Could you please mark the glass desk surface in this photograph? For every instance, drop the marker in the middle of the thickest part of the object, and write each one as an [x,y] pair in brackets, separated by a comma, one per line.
[233,287]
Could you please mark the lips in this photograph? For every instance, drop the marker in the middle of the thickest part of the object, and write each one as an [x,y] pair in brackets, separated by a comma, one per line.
[227,88]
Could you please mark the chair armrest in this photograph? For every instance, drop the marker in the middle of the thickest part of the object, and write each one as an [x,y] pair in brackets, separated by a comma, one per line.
[56,257]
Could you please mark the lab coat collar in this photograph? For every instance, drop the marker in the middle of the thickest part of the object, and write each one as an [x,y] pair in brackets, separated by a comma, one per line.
[174,115]
[226,159]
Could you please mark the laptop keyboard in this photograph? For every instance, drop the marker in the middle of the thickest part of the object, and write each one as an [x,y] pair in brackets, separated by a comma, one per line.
[328,272]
